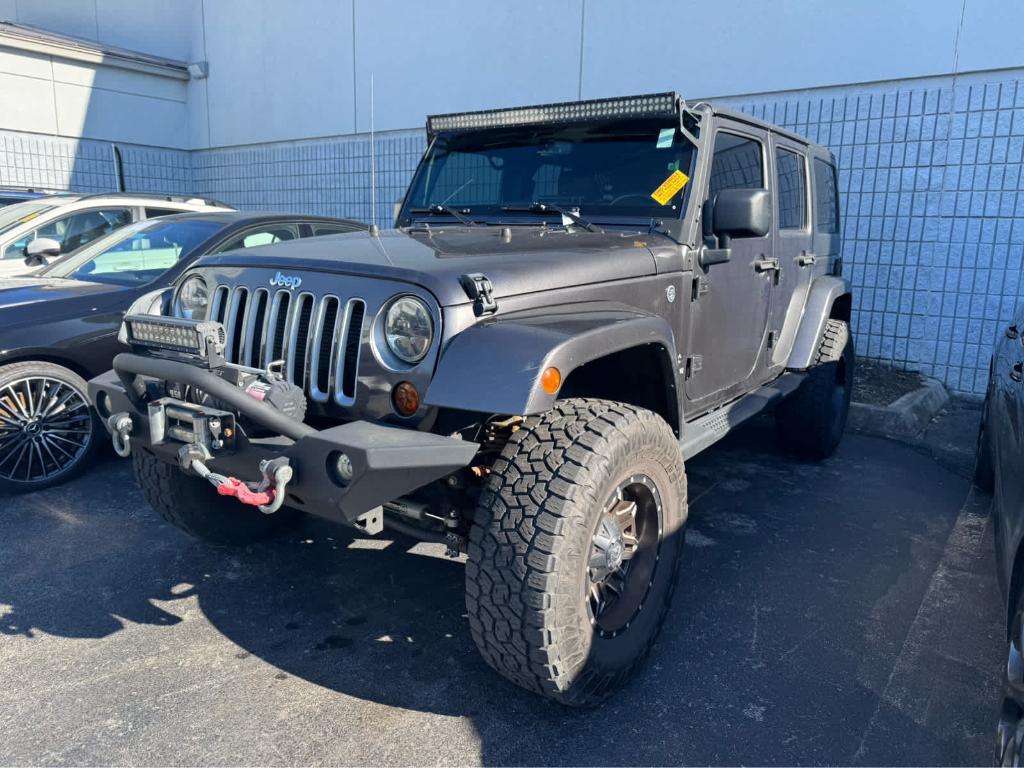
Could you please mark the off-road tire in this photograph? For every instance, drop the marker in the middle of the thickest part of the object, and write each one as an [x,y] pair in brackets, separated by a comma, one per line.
[80,458]
[527,575]
[192,504]
[984,467]
[811,422]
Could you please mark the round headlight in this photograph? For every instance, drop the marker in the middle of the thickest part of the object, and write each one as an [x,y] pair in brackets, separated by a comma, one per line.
[408,329]
[193,299]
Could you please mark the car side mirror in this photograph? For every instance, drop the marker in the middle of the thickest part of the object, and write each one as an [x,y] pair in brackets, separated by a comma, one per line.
[39,250]
[741,213]
[734,213]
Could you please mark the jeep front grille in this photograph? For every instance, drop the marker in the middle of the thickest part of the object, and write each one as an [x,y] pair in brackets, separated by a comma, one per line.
[318,339]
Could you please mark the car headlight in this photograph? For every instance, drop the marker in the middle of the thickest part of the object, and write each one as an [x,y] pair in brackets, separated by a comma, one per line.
[151,303]
[408,329]
[193,299]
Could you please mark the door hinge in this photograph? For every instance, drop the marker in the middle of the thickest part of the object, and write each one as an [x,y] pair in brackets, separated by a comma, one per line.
[806,259]
[771,339]
[480,290]
[769,265]
[699,288]
[694,365]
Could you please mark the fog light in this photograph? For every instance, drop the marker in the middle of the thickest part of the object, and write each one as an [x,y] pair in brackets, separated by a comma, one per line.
[343,468]
[406,399]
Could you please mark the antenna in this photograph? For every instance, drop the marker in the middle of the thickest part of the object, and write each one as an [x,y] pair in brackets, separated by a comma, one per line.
[373,163]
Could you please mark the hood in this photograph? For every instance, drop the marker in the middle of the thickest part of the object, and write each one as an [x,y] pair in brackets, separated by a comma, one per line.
[533,259]
[22,299]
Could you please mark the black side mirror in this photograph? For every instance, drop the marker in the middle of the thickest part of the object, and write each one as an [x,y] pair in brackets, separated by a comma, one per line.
[741,213]
[734,213]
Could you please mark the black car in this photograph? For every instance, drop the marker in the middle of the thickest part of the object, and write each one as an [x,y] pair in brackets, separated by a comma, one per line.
[59,327]
[998,471]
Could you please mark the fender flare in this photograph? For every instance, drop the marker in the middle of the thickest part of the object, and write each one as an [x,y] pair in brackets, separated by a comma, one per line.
[824,293]
[496,367]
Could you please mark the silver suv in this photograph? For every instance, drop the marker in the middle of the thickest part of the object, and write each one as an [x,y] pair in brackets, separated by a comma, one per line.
[68,221]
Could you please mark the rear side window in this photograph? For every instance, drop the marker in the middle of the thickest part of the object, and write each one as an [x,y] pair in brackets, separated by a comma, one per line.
[791,179]
[737,164]
[266,235]
[826,197]
[330,229]
[155,213]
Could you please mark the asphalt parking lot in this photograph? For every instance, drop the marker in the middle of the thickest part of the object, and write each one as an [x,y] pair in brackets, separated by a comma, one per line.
[837,613]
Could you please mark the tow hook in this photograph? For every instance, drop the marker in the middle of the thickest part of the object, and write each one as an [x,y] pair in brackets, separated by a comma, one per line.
[267,495]
[120,426]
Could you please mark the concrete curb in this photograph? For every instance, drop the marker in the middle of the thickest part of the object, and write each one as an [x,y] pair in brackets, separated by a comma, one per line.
[905,418]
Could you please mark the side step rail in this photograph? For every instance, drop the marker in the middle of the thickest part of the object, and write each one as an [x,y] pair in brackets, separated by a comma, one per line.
[712,427]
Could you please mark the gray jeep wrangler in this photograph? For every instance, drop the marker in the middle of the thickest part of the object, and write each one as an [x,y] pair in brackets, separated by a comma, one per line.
[576,299]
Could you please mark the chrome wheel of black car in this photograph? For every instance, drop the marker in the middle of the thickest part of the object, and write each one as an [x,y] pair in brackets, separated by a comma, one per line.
[624,555]
[46,428]
[1010,732]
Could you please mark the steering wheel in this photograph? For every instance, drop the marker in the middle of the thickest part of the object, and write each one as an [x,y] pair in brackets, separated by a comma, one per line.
[615,200]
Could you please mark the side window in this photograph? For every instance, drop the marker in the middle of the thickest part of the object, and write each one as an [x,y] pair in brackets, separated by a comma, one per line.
[826,197]
[156,213]
[330,229]
[266,235]
[86,226]
[791,179]
[737,164]
[16,250]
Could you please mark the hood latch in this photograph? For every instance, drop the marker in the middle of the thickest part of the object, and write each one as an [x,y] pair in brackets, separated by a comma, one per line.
[480,290]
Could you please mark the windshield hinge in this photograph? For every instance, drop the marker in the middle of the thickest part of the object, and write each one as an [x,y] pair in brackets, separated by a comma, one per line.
[480,290]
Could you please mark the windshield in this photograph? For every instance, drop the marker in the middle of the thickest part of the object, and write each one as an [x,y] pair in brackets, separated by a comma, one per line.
[612,170]
[13,215]
[135,254]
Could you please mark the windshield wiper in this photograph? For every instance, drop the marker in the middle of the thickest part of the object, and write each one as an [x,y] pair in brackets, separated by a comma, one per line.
[440,209]
[574,217]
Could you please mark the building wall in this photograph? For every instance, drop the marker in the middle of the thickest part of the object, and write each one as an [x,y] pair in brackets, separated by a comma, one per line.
[158,28]
[930,166]
[933,215]
[302,69]
[82,165]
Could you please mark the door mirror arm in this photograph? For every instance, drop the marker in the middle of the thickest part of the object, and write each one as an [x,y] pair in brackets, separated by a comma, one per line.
[708,256]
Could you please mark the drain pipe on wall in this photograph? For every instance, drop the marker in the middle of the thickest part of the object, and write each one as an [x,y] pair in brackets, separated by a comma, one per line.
[118,167]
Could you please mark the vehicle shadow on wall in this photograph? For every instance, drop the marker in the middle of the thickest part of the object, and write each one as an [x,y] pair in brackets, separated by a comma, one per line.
[794,599]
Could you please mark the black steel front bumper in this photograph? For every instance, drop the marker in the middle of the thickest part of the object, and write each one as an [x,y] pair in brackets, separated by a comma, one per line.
[387,462]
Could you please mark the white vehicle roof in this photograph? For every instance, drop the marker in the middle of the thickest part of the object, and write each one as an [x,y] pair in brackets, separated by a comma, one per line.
[38,211]
[19,221]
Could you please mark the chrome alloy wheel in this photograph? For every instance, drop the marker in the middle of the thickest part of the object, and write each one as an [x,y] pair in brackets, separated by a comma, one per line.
[45,428]
[624,555]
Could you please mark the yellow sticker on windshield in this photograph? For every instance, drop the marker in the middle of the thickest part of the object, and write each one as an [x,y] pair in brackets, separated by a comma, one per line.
[676,181]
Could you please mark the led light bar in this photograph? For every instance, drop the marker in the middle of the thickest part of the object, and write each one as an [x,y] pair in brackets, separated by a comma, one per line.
[666,105]
[177,335]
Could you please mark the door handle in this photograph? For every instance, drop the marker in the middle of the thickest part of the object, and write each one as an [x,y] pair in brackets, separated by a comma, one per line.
[806,259]
[1012,332]
[1017,372]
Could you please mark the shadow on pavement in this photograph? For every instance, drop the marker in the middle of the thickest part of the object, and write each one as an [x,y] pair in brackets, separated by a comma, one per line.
[797,594]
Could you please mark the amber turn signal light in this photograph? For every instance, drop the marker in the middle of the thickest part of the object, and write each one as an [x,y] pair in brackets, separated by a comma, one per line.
[551,380]
[405,398]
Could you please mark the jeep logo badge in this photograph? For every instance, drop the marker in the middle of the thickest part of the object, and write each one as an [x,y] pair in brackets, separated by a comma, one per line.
[286,281]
